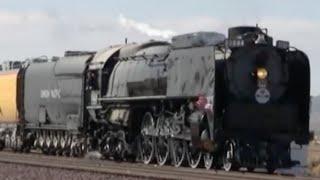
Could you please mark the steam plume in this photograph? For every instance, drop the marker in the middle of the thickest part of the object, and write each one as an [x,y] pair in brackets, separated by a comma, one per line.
[145,28]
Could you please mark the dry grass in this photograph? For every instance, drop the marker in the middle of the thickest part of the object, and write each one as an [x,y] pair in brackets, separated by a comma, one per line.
[314,159]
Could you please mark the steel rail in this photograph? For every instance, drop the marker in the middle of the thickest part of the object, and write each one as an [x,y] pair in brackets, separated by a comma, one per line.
[130,169]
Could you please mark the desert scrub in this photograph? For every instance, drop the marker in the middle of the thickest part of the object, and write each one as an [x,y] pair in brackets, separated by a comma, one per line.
[314,159]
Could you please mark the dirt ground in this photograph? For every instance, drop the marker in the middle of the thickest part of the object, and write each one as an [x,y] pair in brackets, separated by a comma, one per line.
[314,159]
[22,172]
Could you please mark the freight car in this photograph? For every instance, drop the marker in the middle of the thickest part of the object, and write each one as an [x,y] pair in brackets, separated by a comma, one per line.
[8,98]
[231,102]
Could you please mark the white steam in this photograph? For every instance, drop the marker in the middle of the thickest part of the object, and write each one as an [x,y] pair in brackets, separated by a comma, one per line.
[145,28]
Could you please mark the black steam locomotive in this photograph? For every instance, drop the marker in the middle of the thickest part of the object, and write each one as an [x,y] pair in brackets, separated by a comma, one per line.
[232,102]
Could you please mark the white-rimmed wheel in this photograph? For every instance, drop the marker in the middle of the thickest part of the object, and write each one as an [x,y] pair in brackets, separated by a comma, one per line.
[41,140]
[178,151]
[207,156]
[208,160]
[59,145]
[55,141]
[193,155]
[67,146]
[17,144]
[162,150]
[228,157]
[63,141]
[146,141]
[46,143]
[84,146]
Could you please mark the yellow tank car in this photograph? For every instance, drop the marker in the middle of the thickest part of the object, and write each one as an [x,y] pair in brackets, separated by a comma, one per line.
[8,92]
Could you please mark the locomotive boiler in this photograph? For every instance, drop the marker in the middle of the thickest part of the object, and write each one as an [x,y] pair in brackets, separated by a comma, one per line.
[147,92]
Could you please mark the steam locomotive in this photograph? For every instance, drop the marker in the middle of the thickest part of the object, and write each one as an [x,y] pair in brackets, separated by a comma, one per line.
[201,99]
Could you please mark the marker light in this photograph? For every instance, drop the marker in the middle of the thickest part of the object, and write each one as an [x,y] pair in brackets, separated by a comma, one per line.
[262,73]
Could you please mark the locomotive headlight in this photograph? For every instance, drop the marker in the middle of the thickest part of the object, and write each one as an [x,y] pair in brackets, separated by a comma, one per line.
[262,73]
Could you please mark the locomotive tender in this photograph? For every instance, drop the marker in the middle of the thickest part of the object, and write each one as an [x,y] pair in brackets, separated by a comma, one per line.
[236,102]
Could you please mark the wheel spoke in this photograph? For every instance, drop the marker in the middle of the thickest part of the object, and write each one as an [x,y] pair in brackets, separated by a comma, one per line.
[147,149]
[228,158]
[178,152]
[146,142]
[162,150]
[193,156]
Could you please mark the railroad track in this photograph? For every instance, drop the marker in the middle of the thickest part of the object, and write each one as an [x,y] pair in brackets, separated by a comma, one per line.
[131,169]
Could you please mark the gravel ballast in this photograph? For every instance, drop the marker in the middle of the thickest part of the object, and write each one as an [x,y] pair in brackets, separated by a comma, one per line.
[10,171]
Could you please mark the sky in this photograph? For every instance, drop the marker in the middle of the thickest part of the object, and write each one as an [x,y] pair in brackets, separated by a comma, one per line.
[44,27]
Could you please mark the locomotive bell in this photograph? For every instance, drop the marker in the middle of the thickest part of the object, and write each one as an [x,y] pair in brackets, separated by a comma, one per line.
[235,32]
[260,39]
